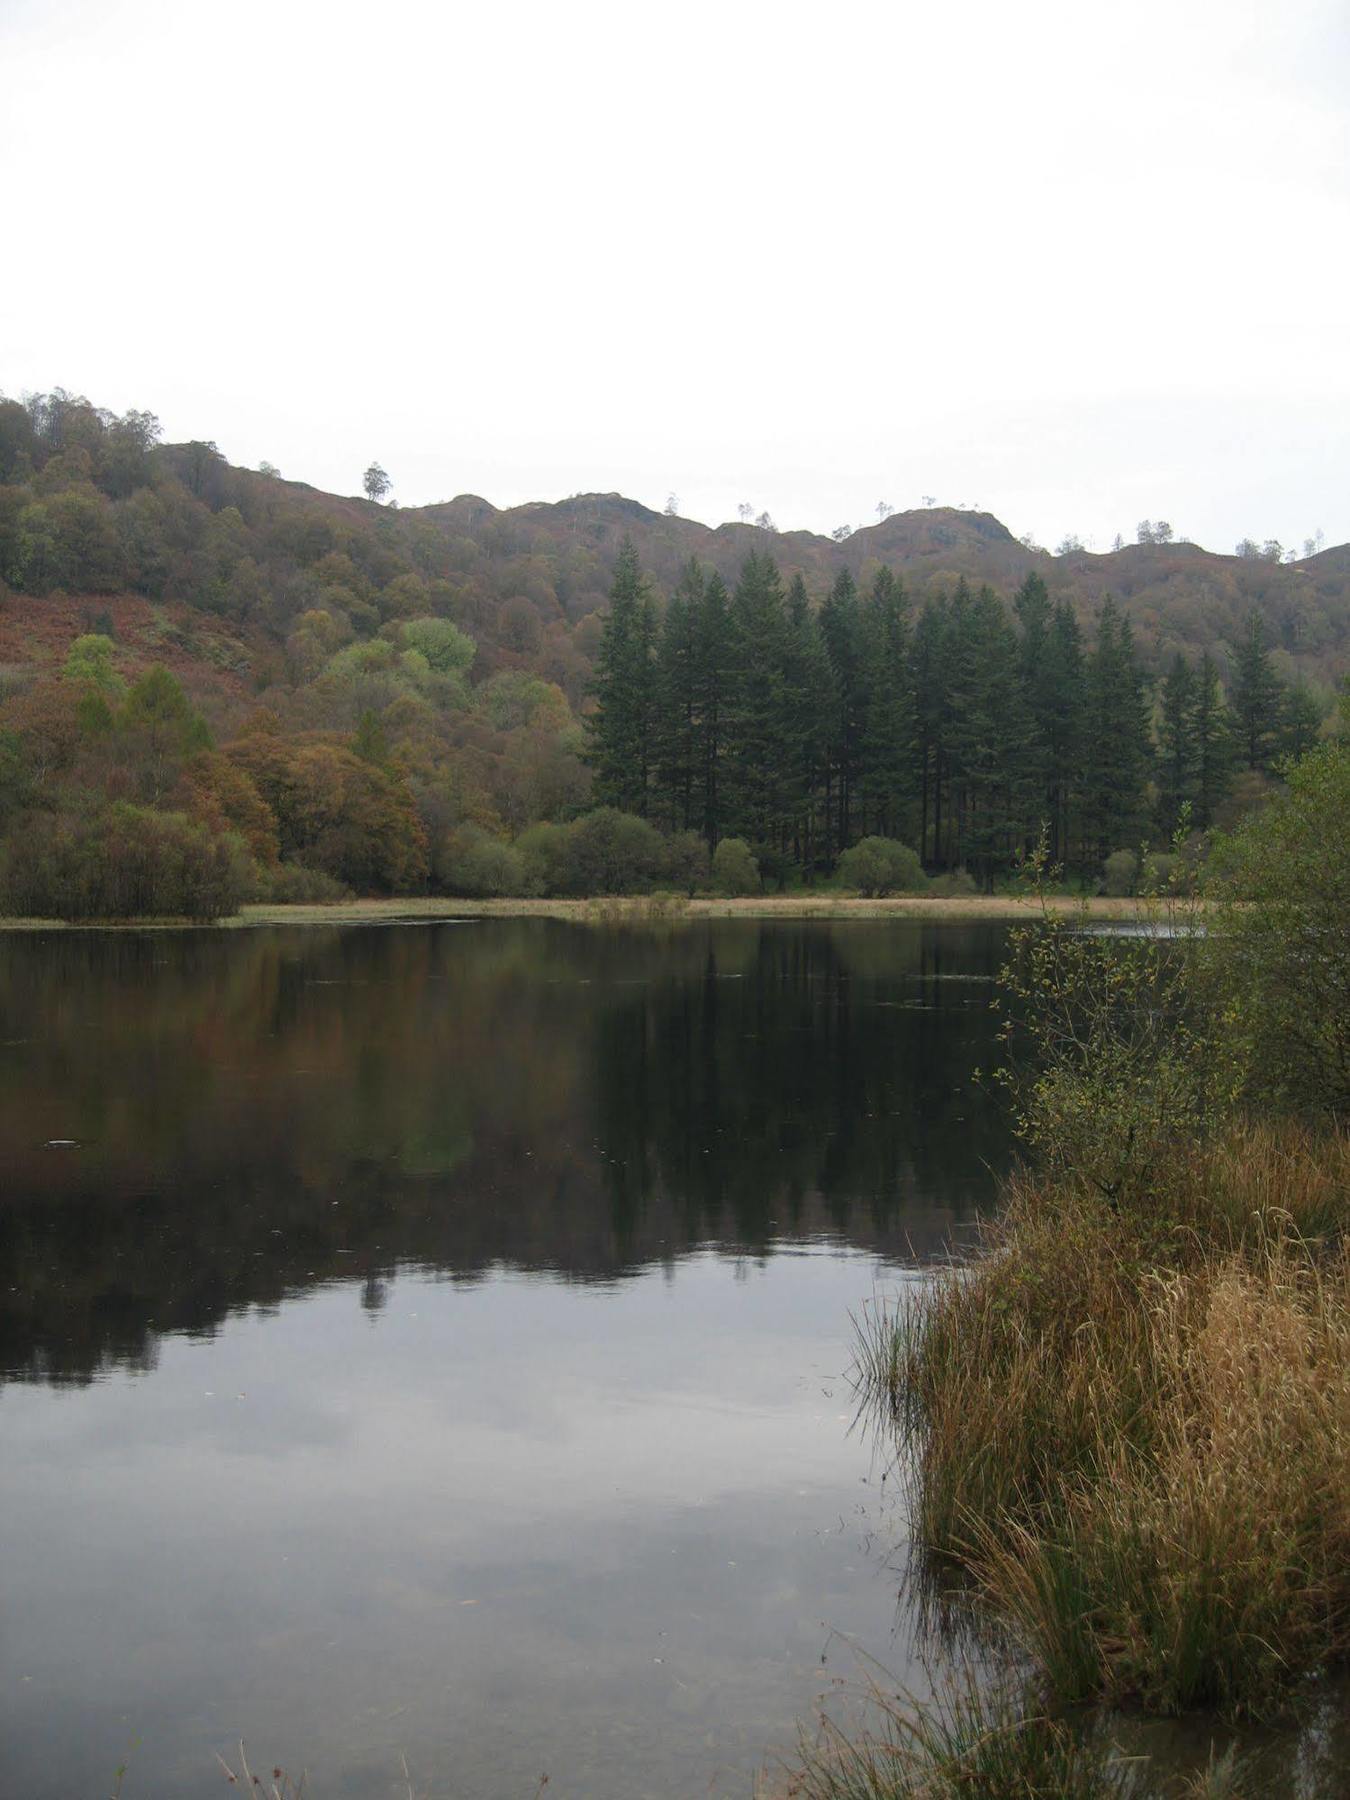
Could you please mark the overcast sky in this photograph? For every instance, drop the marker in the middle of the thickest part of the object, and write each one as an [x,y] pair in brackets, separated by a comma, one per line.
[1077,264]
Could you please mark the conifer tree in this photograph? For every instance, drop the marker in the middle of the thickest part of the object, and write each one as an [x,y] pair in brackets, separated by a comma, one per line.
[1178,756]
[621,737]
[1118,741]
[1062,724]
[757,746]
[1257,695]
[1213,744]
[1300,720]
[991,780]
[713,694]
[1031,603]
[676,725]
[931,658]
[841,635]
[887,787]
[807,708]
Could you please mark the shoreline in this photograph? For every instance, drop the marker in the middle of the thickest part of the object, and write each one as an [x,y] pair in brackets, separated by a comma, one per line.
[640,909]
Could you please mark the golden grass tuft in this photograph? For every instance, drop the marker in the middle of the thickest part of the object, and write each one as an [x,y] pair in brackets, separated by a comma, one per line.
[1133,1425]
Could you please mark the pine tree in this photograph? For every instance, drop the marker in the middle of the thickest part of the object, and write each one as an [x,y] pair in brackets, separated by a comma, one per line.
[1031,603]
[1178,755]
[1213,745]
[991,776]
[620,749]
[888,749]
[1118,740]
[1063,723]
[1257,696]
[713,692]
[930,661]
[1300,720]
[841,634]
[806,710]
[757,747]
[676,725]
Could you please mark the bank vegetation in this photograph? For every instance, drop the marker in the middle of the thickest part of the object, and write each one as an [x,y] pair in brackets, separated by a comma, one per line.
[1127,1420]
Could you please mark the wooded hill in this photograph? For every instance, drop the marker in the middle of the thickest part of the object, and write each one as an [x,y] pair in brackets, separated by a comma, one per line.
[447,655]
[120,515]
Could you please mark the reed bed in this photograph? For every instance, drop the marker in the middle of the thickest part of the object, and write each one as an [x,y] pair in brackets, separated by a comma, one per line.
[1131,1424]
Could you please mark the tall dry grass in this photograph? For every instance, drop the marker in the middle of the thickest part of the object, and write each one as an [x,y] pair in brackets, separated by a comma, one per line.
[1132,1425]
[969,1741]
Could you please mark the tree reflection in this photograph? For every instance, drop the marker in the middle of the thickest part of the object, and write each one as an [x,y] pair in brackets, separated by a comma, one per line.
[256,1113]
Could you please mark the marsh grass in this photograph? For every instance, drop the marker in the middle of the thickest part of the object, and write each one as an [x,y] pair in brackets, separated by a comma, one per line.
[968,1741]
[1132,1426]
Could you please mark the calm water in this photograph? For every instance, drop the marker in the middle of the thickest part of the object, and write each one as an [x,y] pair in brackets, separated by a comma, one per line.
[431,1341]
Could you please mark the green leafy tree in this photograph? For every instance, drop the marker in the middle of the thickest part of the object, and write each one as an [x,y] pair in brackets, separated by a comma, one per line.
[1284,950]
[124,862]
[877,866]
[734,869]
[446,648]
[610,852]
[371,742]
[89,661]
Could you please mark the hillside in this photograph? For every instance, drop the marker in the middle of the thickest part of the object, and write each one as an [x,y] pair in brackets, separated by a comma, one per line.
[352,693]
[239,554]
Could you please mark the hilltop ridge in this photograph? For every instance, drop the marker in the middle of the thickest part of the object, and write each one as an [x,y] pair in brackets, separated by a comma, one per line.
[210,567]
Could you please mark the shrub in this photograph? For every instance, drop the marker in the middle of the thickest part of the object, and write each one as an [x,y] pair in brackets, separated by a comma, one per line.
[127,862]
[1159,873]
[1282,950]
[734,869]
[956,884]
[542,849]
[610,852]
[1120,874]
[1134,1425]
[688,865]
[472,862]
[292,884]
[878,866]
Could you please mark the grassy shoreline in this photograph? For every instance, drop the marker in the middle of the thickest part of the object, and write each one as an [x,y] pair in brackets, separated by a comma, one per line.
[640,909]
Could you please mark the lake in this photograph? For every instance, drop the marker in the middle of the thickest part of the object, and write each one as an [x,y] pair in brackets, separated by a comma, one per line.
[432,1341]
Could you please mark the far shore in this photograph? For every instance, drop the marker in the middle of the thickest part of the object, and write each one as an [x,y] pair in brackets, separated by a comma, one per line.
[639,909]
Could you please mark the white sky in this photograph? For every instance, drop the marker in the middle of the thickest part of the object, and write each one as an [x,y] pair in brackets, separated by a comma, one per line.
[1077,263]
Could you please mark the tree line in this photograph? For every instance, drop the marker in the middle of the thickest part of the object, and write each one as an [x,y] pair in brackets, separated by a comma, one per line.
[959,727]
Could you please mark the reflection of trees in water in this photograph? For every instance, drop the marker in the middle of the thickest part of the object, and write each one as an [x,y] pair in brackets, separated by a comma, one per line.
[261,1112]
[827,1087]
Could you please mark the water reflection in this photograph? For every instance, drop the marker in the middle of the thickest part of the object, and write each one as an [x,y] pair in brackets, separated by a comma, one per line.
[248,1116]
